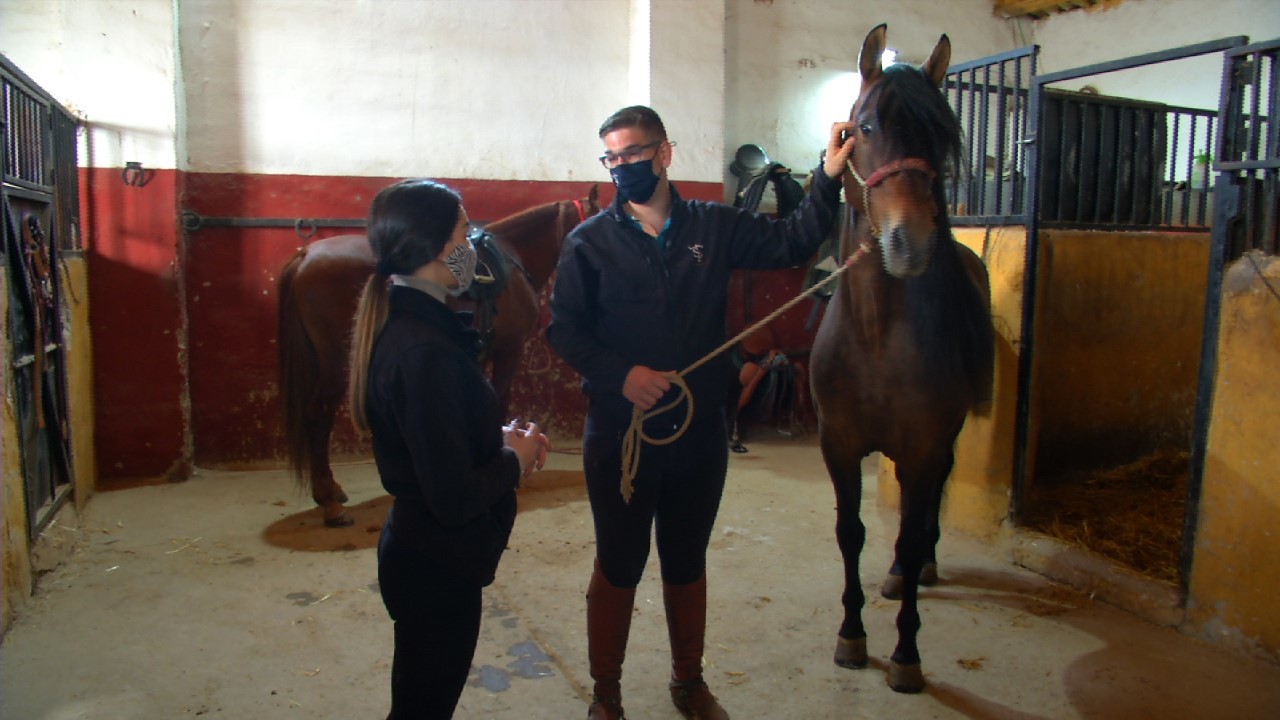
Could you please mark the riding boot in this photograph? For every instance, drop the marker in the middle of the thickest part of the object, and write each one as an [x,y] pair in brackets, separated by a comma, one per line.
[687,627]
[608,625]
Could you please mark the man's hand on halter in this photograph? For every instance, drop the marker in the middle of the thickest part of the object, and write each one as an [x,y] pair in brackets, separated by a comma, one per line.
[645,387]
[839,149]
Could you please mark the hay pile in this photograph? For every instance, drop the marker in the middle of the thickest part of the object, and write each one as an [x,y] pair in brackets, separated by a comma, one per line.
[1132,514]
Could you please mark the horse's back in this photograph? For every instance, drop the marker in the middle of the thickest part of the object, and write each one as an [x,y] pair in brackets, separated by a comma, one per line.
[341,256]
[326,287]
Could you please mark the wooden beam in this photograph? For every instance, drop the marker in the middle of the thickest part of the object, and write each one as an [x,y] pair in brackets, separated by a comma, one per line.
[1042,8]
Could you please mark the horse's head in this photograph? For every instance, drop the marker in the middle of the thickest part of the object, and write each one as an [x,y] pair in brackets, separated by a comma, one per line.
[572,212]
[534,235]
[906,136]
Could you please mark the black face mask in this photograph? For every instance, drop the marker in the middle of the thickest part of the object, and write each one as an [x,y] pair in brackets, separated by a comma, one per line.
[635,181]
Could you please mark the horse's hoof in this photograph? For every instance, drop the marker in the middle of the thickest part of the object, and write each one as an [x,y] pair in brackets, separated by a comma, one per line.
[892,587]
[341,521]
[929,574]
[851,654]
[905,678]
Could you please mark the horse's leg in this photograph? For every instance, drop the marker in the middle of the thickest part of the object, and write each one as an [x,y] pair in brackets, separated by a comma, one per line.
[904,673]
[892,587]
[325,490]
[933,529]
[921,485]
[844,466]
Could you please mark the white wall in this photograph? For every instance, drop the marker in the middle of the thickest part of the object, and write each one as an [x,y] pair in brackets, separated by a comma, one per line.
[1136,27]
[688,84]
[515,89]
[792,64]
[111,63]
[499,89]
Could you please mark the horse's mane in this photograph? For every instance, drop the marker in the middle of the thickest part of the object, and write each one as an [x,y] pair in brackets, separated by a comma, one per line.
[921,121]
[949,312]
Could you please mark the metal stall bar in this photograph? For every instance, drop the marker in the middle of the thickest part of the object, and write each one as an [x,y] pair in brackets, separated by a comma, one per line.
[989,129]
[1033,221]
[1229,160]
[304,227]
[39,139]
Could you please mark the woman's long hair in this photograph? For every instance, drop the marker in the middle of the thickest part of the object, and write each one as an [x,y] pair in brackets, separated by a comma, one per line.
[410,222]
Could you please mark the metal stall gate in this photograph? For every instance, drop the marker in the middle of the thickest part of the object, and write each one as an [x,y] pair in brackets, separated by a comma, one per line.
[41,222]
[1246,158]
[1051,159]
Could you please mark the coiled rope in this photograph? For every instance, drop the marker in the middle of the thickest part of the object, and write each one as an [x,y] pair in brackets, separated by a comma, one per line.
[635,435]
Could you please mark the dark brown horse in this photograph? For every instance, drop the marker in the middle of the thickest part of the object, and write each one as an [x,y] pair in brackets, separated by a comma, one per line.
[318,290]
[905,349]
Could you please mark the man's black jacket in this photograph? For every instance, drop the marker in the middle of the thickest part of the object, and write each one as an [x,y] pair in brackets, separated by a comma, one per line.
[621,301]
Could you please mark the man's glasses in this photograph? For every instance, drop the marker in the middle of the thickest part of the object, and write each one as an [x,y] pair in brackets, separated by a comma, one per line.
[628,155]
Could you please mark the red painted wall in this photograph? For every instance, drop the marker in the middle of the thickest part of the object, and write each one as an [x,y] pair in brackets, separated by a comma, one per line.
[131,241]
[232,301]
[186,372]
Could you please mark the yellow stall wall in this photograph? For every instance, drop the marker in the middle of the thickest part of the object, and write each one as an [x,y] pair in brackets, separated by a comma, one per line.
[1234,593]
[1117,346]
[977,496]
[1117,352]
[79,369]
[15,560]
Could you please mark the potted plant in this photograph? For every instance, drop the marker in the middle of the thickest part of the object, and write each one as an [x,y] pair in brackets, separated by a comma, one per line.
[1200,170]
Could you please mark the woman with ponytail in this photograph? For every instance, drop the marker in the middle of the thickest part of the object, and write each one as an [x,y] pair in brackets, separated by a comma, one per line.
[439,441]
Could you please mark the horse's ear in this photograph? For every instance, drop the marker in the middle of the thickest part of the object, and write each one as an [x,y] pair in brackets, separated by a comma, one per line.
[935,68]
[872,48]
[595,191]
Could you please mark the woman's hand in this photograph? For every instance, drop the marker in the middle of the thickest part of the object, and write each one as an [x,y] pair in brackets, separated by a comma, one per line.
[530,444]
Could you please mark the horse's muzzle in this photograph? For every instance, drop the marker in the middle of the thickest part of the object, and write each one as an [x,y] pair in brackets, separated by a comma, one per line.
[903,254]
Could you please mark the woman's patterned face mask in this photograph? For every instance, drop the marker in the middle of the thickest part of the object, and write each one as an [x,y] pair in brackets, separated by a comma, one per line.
[461,262]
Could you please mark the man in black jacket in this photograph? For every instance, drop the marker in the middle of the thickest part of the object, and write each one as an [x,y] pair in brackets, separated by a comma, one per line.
[641,293]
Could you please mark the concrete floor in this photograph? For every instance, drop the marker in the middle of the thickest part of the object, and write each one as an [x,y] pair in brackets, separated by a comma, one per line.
[222,597]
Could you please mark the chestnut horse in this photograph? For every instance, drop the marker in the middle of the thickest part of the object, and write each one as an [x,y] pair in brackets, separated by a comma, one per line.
[905,349]
[318,290]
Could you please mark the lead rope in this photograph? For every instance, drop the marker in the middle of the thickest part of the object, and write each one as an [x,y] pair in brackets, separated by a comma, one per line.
[866,199]
[635,433]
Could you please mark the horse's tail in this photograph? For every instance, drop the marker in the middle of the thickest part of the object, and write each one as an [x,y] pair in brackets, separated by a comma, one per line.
[298,372]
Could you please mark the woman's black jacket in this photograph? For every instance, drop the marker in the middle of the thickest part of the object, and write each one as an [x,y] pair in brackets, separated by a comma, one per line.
[437,438]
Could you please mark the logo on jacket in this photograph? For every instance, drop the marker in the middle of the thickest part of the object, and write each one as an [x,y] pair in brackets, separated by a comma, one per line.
[698,257]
